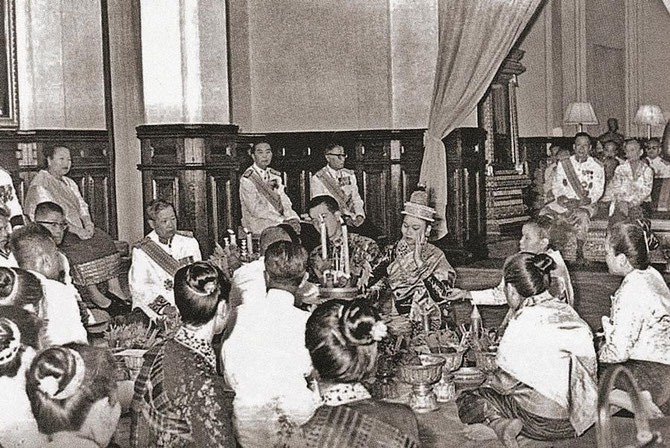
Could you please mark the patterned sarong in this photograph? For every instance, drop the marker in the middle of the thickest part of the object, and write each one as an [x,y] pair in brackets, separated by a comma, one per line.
[343,427]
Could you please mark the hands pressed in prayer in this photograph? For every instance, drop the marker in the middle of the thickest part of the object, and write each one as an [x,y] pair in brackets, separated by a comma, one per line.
[358,220]
[418,247]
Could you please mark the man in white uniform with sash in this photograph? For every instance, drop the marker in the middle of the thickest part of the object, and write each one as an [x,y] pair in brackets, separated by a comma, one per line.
[577,186]
[262,196]
[157,257]
[339,182]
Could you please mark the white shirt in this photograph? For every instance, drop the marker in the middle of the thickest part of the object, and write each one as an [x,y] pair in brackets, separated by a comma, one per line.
[560,275]
[347,180]
[265,360]
[639,322]
[660,166]
[60,308]
[591,175]
[257,212]
[249,282]
[18,427]
[147,280]
[8,196]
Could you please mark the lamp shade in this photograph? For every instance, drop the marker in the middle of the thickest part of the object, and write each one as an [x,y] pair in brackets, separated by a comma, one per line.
[650,115]
[580,113]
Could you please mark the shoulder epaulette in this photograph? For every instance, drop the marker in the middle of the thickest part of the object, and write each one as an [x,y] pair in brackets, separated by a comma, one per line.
[273,171]
[186,233]
[249,171]
[598,161]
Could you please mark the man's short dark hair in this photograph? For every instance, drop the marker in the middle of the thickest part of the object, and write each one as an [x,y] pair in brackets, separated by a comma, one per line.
[156,206]
[332,145]
[48,207]
[583,134]
[330,202]
[285,263]
[30,242]
[258,142]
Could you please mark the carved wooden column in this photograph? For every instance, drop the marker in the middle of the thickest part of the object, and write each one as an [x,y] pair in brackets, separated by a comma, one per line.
[196,168]
[506,174]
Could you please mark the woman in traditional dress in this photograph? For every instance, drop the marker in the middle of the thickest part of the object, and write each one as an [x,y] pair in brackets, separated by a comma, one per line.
[72,392]
[180,400]
[19,340]
[417,272]
[545,385]
[637,332]
[91,252]
[630,188]
[542,235]
[342,340]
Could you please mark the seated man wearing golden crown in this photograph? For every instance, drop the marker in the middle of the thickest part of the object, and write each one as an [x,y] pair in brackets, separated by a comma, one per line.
[418,273]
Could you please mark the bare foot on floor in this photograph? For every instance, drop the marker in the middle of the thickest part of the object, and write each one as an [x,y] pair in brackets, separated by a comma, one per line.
[507,431]
[622,400]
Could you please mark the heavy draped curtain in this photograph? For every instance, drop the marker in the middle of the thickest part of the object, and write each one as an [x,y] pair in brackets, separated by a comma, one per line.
[474,38]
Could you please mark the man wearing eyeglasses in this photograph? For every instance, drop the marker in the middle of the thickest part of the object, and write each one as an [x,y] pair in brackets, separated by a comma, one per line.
[51,216]
[339,182]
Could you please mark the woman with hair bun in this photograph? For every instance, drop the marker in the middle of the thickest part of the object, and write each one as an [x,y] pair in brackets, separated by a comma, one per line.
[637,332]
[545,386]
[342,341]
[20,288]
[19,336]
[72,392]
[180,400]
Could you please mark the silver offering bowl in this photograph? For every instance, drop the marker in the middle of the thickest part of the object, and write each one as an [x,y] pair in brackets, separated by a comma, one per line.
[445,389]
[421,378]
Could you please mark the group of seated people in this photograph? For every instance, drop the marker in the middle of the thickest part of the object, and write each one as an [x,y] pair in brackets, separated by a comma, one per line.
[616,183]
[289,371]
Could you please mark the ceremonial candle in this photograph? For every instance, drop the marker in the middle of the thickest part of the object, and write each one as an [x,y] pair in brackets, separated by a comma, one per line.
[233,239]
[250,241]
[475,323]
[324,238]
[345,246]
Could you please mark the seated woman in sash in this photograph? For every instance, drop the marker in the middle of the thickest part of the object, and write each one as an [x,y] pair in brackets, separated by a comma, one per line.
[629,192]
[545,385]
[92,254]
[637,332]
[416,272]
[539,236]
[342,341]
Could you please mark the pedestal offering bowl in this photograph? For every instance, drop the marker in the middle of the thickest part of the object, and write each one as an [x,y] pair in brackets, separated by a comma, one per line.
[445,389]
[421,376]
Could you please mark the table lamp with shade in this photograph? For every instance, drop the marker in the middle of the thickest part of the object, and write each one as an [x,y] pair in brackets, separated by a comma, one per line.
[580,114]
[649,115]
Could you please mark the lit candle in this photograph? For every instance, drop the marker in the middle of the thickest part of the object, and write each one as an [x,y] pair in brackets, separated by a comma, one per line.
[345,247]
[250,241]
[324,238]
[233,239]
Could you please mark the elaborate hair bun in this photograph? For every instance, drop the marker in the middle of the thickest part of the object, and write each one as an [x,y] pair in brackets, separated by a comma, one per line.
[58,372]
[7,281]
[650,239]
[360,324]
[203,278]
[544,263]
[10,341]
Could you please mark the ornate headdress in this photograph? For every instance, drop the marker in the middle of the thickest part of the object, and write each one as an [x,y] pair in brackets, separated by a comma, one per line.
[418,206]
